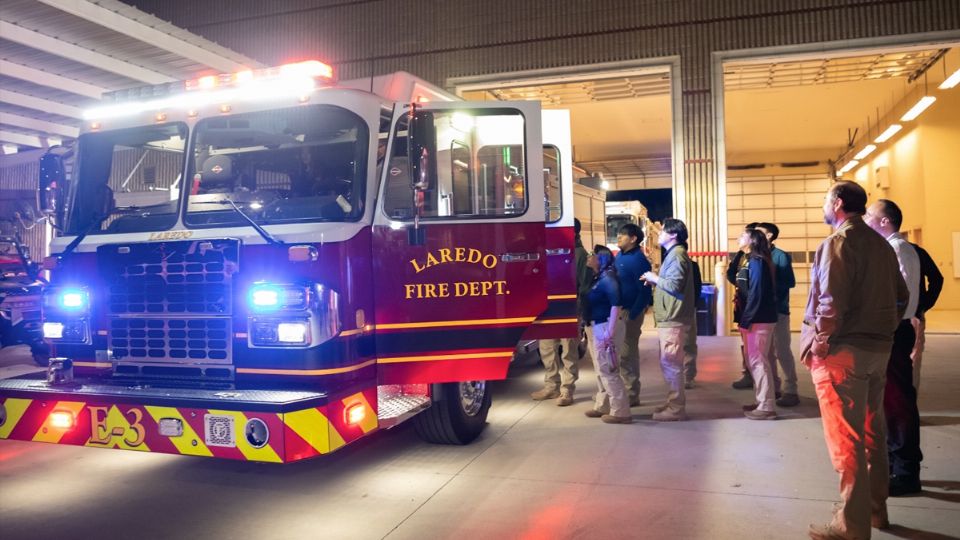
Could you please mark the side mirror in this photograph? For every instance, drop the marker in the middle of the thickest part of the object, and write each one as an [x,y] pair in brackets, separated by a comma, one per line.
[421,143]
[52,178]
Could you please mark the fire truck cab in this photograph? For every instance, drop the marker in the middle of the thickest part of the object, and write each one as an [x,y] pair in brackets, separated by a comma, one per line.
[266,266]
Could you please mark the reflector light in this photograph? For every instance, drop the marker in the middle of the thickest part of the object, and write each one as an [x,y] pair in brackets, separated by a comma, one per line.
[354,414]
[52,330]
[61,419]
[292,332]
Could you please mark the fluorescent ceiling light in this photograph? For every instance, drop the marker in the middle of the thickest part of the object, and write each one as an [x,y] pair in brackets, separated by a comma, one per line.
[850,164]
[887,133]
[865,152]
[920,106]
[950,81]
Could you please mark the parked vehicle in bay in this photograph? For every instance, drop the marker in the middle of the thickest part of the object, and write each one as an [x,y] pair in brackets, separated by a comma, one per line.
[268,265]
[21,287]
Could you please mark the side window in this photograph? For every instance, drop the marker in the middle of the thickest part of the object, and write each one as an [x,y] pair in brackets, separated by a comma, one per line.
[475,165]
[551,183]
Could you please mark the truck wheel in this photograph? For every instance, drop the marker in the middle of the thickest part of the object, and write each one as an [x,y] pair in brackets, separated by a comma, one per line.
[458,417]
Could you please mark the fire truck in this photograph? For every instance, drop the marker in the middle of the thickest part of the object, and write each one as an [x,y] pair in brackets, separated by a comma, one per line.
[268,265]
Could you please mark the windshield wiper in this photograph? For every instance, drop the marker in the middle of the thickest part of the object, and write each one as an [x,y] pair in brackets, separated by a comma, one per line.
[124,211]
[260,230]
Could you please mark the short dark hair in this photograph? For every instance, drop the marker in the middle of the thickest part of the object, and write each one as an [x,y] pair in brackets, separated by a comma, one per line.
[676,227]
[852,195]
[750,226]
[770,228]
[576,226]
[892,212]
[632,229]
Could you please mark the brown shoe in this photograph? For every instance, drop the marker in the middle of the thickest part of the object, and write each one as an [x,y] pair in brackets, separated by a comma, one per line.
[565,399]
[611,419]
[660,408]
[750,407]
[545,393]
[825,532]
[879,519]
[757,414]
[668,415]
[592,413]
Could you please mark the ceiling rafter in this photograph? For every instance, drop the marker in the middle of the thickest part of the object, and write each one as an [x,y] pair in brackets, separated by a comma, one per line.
[52,45]
[34,124]
[39,104]
[50,80]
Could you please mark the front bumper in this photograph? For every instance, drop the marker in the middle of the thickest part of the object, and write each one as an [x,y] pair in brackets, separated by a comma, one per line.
[229,424]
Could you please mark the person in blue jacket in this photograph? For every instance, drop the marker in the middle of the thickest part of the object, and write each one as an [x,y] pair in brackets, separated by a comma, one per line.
[634,300]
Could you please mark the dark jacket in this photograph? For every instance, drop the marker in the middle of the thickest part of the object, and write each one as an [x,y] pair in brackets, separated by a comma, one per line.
[756,296]
[635,296]
[931,281]
[604,294]
[584,278]
[785,279]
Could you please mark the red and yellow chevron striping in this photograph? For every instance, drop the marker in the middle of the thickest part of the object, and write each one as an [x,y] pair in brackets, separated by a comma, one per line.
[215,432]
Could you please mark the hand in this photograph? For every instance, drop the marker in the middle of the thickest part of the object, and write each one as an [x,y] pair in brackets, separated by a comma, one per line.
[649,278]
[819,349]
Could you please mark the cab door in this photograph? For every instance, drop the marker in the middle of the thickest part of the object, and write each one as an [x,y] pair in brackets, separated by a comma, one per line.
[460,260]
[560,318]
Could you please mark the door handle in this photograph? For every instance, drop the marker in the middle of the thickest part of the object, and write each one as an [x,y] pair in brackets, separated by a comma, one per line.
[520,257]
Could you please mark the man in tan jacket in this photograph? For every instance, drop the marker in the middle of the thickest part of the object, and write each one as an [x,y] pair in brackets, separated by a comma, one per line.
[857,298]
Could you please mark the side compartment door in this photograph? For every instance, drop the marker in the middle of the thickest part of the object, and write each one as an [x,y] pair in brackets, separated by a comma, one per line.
[460,261]
[560,318]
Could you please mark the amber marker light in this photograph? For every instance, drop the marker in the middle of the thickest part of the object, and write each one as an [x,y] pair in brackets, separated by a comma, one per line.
[193,113]
[354,414]
[61,419]
[225,109]
[160,117]
[95,126]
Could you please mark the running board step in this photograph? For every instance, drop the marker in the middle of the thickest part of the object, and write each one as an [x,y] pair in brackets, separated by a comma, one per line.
[397,403]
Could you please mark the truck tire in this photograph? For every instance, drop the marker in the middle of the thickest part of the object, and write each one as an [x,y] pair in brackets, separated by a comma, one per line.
[458,417]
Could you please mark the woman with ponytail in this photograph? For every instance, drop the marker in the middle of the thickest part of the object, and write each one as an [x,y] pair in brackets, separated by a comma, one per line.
[756,315]
[610,404]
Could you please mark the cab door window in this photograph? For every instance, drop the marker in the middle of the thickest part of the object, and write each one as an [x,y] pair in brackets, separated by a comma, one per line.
[551,184]
[471,165]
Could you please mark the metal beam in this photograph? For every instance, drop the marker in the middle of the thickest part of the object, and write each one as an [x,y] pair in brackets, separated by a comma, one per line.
[38,125]
[43,78]
[119,23]
[21,139]
[39,104]
[51,45]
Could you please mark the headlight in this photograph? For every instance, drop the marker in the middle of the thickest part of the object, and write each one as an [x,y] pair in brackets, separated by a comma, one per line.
[66,313]
[287,315]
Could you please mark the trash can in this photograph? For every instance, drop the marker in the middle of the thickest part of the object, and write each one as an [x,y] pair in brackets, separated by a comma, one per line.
[707,311]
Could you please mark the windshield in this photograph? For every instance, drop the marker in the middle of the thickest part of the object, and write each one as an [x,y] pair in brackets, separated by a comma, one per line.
[135,170]
[614,222]
[279,166]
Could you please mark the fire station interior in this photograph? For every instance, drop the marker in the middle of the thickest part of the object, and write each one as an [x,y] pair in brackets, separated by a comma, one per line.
[791,124]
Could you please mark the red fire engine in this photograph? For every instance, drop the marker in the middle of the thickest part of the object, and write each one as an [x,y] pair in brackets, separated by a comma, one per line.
[266,265]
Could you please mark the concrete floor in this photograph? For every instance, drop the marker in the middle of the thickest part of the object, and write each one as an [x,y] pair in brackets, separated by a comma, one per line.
[539,471]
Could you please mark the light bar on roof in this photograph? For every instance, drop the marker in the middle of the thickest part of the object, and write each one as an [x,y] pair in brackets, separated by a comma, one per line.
[289,80]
